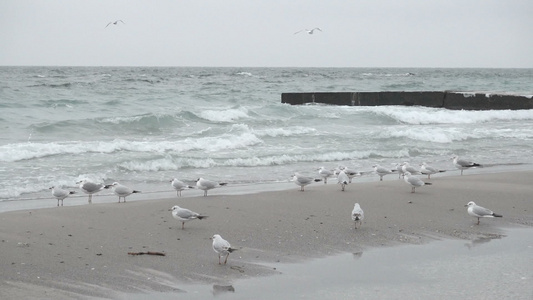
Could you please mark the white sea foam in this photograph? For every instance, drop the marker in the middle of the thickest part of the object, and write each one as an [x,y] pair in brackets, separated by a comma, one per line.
[24,151]
[227,115]
[425,115]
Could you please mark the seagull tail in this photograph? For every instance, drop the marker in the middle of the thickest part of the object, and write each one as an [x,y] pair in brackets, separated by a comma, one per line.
[231,250]
[223,183]
[134,192]
[107,186]
[428,183]
[317,180]
[497,215]
[441,171]
[201,217]
[72,192]
[475,165]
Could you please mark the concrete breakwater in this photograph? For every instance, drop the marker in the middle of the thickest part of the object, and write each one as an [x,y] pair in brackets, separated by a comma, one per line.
[444,99]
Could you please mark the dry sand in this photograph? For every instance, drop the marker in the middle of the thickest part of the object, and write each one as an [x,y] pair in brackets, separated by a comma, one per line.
[82,251]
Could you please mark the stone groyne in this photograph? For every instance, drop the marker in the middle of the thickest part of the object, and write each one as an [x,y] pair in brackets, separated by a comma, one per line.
[445,99]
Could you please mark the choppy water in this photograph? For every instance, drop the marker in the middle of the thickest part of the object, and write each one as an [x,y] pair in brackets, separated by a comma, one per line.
[144,126]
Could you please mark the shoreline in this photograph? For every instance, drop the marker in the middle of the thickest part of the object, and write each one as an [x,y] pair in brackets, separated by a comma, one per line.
[107,196]
[82,250]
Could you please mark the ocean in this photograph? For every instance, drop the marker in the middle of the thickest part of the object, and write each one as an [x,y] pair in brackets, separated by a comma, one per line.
[143,126]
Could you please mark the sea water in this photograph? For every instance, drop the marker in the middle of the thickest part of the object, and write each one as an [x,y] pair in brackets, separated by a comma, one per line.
[144,126]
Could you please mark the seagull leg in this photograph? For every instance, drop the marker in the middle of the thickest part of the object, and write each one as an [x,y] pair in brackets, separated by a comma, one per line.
[182,225]
[478,221]
[90,198]
[226,260]
[412,189]
[219,259]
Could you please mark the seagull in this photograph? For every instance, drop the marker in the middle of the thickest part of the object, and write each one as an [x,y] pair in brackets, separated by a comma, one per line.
[303,180]
[114,23]
[185,215]
[399,168]
[222,247]
[325,174]
[428,170]
[91,188]
[122,191]
[343,179]
[480,212]
[60,194]
[206,185]
[179,186]
[406,167]
[414,181]
[357,215]
[463,164]
[309,31]
[351,173]
[381,171]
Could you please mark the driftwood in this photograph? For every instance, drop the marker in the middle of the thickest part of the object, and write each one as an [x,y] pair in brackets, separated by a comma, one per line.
[147,253]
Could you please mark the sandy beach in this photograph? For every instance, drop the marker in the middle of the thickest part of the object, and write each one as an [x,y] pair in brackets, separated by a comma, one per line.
[82,251]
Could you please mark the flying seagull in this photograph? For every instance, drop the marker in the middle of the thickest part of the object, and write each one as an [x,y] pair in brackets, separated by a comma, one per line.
[114,23]
[309,31]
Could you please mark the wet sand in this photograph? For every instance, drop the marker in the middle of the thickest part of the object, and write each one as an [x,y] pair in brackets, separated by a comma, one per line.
[82,251]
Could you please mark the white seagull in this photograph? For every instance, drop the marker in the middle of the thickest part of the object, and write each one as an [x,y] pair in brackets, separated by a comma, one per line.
[122,191]
[309,31]
[343,180]
[114,23]
[406,167]
[399,168]
[357,215]
[206,185]
[351,173]
[414,181]
[324,173]
[91,188]
[381,171]
[185,215]
[221,247]
[60,194]
[480,212]
[429,170]
[462,164]
[179,186]
[303,180]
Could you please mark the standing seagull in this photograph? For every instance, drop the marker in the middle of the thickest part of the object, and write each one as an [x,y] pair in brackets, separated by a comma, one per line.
[325,174]
[91,188]
[351,173]
[308,31]
[428,170]
[122,191]
[480,212]
[206,185]
[114,23]
[406,167]
[185,215]
[381,171]
[357,215]
[179,186]
[303,180]
[222,247]
[60,194]
[414,181]
[463,164]
[343,179]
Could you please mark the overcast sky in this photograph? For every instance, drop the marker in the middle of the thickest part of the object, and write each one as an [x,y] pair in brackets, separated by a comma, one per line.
[260,33]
